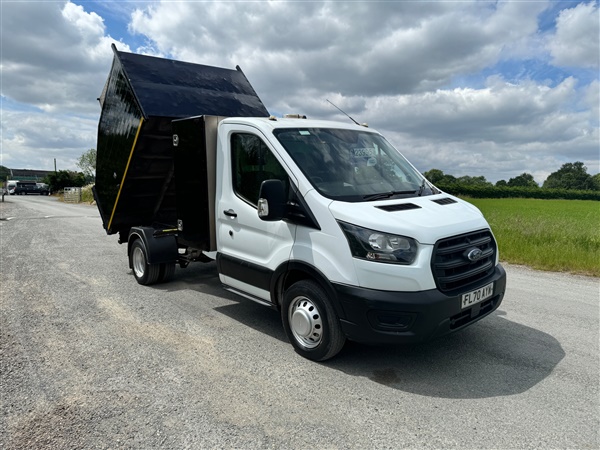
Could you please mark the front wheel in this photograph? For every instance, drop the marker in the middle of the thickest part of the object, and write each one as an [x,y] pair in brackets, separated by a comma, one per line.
[144,272]
[310,322]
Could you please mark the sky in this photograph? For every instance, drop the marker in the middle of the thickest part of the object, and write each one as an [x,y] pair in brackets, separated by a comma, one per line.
[492,88]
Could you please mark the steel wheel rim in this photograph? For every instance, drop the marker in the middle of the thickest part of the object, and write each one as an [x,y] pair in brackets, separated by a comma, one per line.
[139,262]
[305,322]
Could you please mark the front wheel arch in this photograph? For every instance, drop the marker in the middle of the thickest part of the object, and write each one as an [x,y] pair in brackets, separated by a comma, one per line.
[293,271]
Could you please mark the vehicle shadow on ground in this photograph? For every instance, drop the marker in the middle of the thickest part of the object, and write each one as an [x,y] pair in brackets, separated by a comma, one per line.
[197,277]
[204,278]
[494,357]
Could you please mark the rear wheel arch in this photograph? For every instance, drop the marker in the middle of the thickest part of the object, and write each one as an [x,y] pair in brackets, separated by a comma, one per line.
[146,253]
[132,238]
[144,272]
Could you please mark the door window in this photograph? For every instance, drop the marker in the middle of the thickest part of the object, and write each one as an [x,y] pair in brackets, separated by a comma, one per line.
[253,163]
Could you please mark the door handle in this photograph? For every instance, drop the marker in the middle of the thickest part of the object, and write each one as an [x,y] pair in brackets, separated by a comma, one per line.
[230,213]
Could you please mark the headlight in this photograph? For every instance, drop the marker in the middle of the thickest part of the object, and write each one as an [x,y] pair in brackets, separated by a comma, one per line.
[377,246]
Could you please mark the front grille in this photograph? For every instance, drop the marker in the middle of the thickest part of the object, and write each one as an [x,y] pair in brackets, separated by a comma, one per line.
[453,270]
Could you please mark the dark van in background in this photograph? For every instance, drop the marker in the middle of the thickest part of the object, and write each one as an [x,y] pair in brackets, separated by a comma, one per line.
[31,187]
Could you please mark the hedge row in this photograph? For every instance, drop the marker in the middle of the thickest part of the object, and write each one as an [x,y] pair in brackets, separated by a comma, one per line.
[512,192]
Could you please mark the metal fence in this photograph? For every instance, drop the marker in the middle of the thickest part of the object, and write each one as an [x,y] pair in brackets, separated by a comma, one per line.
[72,194]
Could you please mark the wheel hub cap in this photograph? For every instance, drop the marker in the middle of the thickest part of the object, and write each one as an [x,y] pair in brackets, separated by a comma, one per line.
[139,262]
[301,323]
[305,322]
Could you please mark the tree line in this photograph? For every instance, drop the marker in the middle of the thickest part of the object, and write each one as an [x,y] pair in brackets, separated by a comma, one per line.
[571,181]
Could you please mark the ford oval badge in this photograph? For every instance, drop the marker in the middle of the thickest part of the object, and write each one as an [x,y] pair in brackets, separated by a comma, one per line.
[475,254]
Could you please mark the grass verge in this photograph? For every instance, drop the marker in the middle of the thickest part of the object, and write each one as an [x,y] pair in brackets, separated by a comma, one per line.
[555,235]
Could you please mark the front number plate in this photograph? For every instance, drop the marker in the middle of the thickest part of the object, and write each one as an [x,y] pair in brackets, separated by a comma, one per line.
[476,296]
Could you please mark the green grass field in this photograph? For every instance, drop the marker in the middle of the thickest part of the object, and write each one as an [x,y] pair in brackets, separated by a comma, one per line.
[555,235]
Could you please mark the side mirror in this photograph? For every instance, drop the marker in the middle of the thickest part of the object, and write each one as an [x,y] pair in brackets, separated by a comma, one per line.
[271,200]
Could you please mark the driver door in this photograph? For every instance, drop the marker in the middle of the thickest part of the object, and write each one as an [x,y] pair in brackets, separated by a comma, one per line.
[250,249]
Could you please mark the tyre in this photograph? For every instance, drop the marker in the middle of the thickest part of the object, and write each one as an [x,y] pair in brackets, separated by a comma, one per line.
[143,272]
[310,322]
[166,272]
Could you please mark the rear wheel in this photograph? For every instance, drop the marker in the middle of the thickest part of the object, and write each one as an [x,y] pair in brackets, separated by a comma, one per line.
[310,321]
[166,272]
[144,272]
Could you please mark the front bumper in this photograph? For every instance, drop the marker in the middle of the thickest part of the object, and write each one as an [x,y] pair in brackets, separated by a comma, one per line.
[378,317]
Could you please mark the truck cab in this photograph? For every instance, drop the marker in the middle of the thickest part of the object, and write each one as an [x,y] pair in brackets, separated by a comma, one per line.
[363,242]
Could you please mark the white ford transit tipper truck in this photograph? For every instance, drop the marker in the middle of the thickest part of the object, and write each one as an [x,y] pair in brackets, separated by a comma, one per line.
[326,222]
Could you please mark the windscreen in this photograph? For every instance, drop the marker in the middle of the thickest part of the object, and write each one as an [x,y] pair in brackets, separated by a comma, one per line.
[352,165]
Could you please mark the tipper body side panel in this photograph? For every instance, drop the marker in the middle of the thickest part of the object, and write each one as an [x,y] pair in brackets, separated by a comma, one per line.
[135,169]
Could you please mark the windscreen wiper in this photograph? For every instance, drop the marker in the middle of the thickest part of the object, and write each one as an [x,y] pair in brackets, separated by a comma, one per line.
[383,195]
[431,187]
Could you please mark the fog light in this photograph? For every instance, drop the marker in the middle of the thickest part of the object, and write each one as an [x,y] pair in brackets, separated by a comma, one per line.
[392,321]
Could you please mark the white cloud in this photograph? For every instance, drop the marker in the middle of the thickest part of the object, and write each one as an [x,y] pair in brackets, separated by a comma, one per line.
[576,42]
[501,130]
[63,52]
[35,139]
[55,59]
[366,48]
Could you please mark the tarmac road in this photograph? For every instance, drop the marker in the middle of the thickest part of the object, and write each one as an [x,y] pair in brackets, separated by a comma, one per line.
[90,359]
